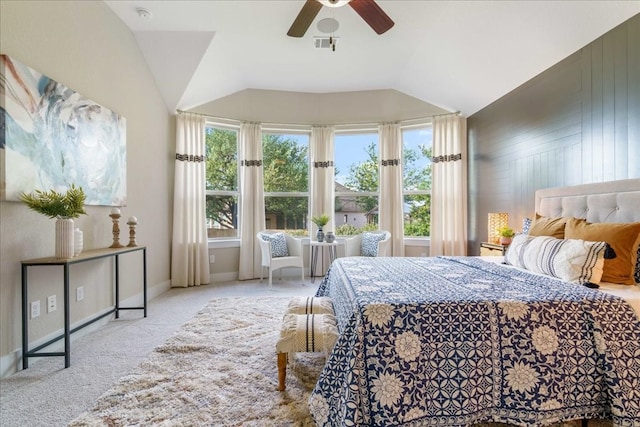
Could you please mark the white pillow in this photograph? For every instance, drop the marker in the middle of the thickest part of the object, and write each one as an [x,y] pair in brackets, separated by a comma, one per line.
[572,260]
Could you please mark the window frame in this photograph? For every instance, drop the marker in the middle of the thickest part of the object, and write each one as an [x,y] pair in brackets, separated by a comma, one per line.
[285,131]
[412,125]
[357,130]
[227,126]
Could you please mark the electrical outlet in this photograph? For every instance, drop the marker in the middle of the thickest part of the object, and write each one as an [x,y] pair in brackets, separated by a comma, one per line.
[424,254]
[212,259]
[79,293]
[51,304]
[35,309]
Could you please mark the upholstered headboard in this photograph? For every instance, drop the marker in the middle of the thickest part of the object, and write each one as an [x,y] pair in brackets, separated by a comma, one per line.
[614,201]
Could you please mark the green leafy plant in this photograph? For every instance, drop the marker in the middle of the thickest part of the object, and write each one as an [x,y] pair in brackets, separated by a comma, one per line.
[320,220]
[53,204]
[506,231]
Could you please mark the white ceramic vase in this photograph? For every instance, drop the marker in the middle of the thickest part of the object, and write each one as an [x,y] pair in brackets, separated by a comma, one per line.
[77,242]
[64,238]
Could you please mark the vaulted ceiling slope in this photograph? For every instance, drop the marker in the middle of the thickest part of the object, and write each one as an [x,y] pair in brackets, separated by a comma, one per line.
[456,55]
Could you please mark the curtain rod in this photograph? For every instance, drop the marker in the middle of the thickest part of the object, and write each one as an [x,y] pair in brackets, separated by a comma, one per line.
[268,124]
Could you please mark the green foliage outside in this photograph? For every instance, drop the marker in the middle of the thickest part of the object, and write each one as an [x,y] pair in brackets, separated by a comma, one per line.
[222,169]
[286,169]
[350,230]
[364,177]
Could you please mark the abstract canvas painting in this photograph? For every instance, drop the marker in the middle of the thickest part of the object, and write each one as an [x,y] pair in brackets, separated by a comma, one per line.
[52,137]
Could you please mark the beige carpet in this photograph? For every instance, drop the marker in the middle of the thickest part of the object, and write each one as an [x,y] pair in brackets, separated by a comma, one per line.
[218,370]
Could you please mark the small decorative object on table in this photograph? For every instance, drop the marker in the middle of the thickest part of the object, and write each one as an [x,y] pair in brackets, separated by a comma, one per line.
[115,217]
[62,206]
[132,222]
[506,235]
[320,221]
[78,242]
[330,237]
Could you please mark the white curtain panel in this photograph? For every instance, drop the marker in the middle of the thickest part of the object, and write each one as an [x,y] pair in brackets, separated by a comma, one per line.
[189,249]
[252,217]
[449,186]
[391,216]
[322,186]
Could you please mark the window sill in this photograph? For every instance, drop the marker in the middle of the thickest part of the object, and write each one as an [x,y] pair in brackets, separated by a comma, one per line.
[235,243]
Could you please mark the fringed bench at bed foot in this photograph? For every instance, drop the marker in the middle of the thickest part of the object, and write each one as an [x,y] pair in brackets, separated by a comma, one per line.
[304,333]
[310,305]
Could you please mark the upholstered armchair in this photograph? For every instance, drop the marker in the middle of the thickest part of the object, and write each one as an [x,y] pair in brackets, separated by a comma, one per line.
[369,243]
[279,250]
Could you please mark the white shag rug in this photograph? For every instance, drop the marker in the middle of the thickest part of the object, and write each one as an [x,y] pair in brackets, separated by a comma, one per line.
[219,369]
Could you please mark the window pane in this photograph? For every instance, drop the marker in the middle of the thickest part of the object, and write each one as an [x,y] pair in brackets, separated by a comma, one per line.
[417,215]
[356,162]
[416,162]
[355,214]
[222,182]
[222,159]
[222,216]
[286,162]
[287,213]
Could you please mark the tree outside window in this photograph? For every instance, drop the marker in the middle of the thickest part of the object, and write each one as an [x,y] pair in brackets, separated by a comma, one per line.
[416,166]
[356,182]
[222,182]
[286,181]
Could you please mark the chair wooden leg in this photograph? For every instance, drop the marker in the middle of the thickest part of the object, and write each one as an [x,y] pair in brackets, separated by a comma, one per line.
[282,370]
[270,278]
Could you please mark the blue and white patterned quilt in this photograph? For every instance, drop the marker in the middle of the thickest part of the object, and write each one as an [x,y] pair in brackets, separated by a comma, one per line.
[453,341]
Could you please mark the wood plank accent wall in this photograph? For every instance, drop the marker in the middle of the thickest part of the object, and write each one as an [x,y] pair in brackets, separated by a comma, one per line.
[576,123]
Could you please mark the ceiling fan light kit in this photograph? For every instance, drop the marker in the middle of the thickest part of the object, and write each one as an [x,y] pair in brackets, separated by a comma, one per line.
[334,3]
[328,25]
[368,10]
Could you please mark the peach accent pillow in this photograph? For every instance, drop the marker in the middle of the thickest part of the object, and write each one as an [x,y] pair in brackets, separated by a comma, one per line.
[544,226]
[624,238]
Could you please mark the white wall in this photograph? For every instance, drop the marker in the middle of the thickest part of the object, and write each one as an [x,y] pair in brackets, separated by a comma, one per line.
[86,47]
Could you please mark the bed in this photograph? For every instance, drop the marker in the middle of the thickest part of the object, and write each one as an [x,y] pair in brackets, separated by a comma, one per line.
[454,341]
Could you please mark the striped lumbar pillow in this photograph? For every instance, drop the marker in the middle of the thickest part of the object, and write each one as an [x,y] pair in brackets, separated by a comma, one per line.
[572,260]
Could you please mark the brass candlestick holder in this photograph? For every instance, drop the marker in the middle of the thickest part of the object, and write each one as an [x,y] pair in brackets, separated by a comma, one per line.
[133,221]
[115,217]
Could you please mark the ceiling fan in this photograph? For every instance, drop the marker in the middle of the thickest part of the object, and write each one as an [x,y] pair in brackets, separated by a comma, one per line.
[367,9]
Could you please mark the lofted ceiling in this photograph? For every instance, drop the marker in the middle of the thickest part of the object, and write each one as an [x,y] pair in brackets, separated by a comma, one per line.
[456,55]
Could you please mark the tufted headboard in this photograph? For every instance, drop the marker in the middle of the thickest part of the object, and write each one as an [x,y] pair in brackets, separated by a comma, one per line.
[613,201]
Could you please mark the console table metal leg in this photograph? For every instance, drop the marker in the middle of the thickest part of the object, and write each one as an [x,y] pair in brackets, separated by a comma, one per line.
[144,279]
[117,281]
[67,319]
[25,319]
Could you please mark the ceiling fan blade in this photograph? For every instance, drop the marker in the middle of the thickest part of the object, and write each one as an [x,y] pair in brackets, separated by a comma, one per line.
[305,18]
[372,14]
